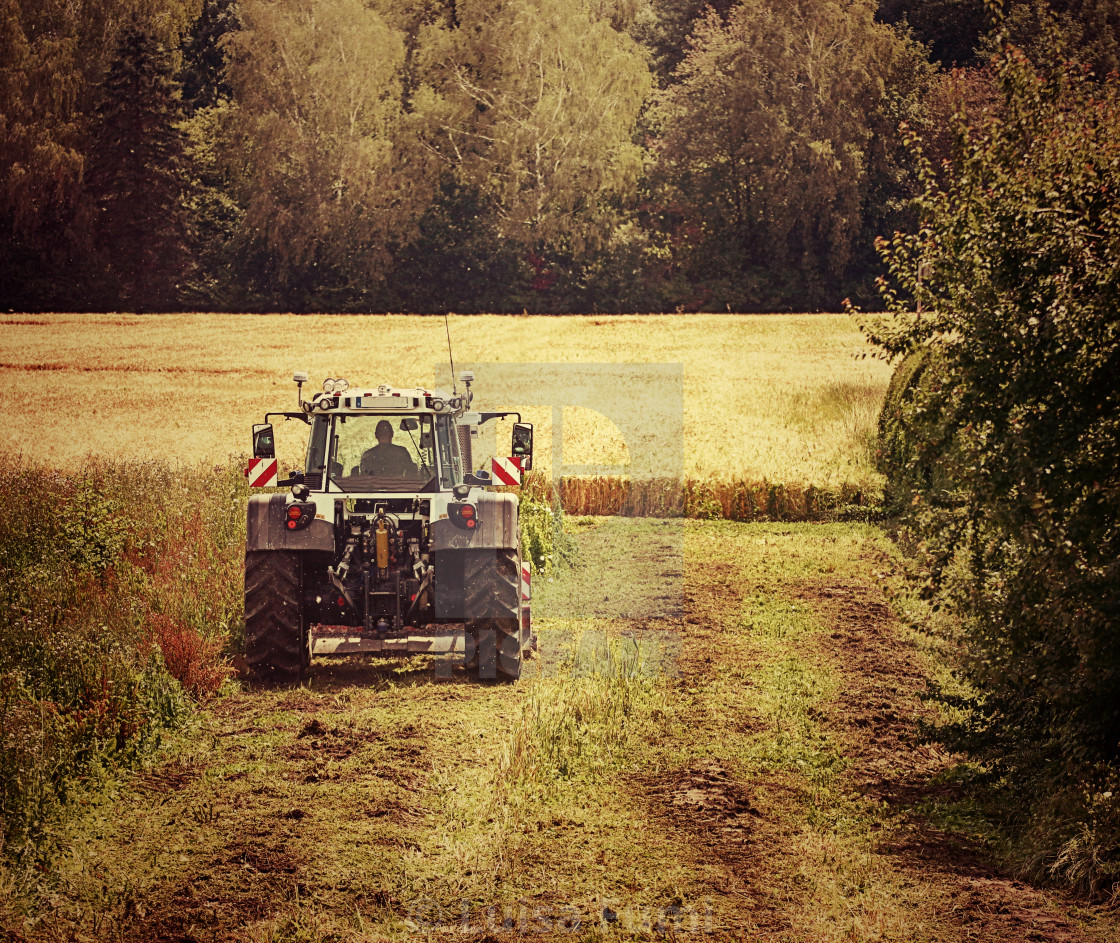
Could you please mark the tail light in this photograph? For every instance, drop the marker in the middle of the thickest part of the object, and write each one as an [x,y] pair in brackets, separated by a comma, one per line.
[463,515]
[299,515]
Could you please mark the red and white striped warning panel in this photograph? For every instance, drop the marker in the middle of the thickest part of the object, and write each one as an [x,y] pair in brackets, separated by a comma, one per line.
[263,473]
[526,615]
[507,471]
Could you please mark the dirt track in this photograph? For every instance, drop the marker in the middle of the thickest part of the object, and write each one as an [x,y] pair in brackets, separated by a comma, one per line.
[957,890]
[775,791]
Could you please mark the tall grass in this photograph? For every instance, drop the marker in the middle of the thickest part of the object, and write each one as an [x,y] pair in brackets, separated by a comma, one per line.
[710,499]
[119,589]
[579,723]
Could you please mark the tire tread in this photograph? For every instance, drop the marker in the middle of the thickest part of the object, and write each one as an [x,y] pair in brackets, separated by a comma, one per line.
[276,643]
[493,586]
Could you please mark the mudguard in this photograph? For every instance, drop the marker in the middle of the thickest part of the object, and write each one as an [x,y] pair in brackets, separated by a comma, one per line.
[497,525]
[459,552]
[267,528]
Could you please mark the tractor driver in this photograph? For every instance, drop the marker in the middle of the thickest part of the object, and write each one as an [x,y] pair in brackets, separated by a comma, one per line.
[386,459]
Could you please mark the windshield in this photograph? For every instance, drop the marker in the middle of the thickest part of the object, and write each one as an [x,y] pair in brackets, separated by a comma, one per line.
[375,452]
[350,439]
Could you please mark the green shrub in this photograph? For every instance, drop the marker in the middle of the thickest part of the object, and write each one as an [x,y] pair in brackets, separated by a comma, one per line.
[119,590]
[896,440]
[915,448]
[1016,272]
[543,540]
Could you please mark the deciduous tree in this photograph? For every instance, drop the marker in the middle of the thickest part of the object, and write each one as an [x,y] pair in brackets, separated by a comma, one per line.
[666,26]
[330,171]
[767,138]
[547,98]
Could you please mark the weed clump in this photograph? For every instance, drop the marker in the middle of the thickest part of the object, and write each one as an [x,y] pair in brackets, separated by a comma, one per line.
[119,595]
[543,540]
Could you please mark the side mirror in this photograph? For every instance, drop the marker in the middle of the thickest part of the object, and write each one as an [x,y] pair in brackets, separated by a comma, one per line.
[409,425]
[264,445]
[522,447]
[478,478]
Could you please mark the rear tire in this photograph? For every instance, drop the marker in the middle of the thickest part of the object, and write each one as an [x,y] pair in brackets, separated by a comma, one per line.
[493,589]
[277,642]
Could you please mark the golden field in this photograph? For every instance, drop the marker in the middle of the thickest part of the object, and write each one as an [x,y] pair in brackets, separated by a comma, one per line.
[787,398]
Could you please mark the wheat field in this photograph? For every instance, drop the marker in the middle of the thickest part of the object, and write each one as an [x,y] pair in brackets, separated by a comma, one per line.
[788,398]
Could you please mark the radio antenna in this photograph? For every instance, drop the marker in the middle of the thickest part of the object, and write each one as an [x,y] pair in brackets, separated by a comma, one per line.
[446,324]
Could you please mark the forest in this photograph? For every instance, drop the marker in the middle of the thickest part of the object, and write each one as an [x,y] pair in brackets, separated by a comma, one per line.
[504,156]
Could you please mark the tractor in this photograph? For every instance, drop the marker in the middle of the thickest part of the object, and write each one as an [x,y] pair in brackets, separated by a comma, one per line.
[386,540]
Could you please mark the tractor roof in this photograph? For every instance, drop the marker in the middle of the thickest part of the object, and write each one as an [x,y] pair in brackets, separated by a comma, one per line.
[385,399]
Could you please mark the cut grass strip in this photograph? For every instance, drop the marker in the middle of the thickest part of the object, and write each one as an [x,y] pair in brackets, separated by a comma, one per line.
[727,798]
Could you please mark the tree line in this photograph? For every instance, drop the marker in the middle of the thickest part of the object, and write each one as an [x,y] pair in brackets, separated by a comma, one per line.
[478,155]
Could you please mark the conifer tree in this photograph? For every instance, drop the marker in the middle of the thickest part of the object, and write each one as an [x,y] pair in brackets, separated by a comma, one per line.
[136,177]
[203,75]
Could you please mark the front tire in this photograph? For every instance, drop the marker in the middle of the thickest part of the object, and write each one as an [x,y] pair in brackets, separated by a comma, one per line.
[493,592]
[277,641]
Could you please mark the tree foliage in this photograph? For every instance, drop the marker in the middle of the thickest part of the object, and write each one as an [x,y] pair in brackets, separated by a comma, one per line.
[952,29]
[329,169]
[135,177]
[956,31]
[666,26]
[1016,272]
[767,140]
[205,60]
[54,56]
[547,96]
[523,154]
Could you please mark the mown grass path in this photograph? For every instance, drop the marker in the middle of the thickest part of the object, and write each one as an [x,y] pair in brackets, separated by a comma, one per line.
[745,766]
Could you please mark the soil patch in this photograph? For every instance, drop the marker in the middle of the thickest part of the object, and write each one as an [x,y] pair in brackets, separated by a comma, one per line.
[987,904]
[745,830]
[171,777]
[321,747]
[246,881]
[702,651]
[709,800]
[875,716]
[317,739]
[743,827]
[877,710]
